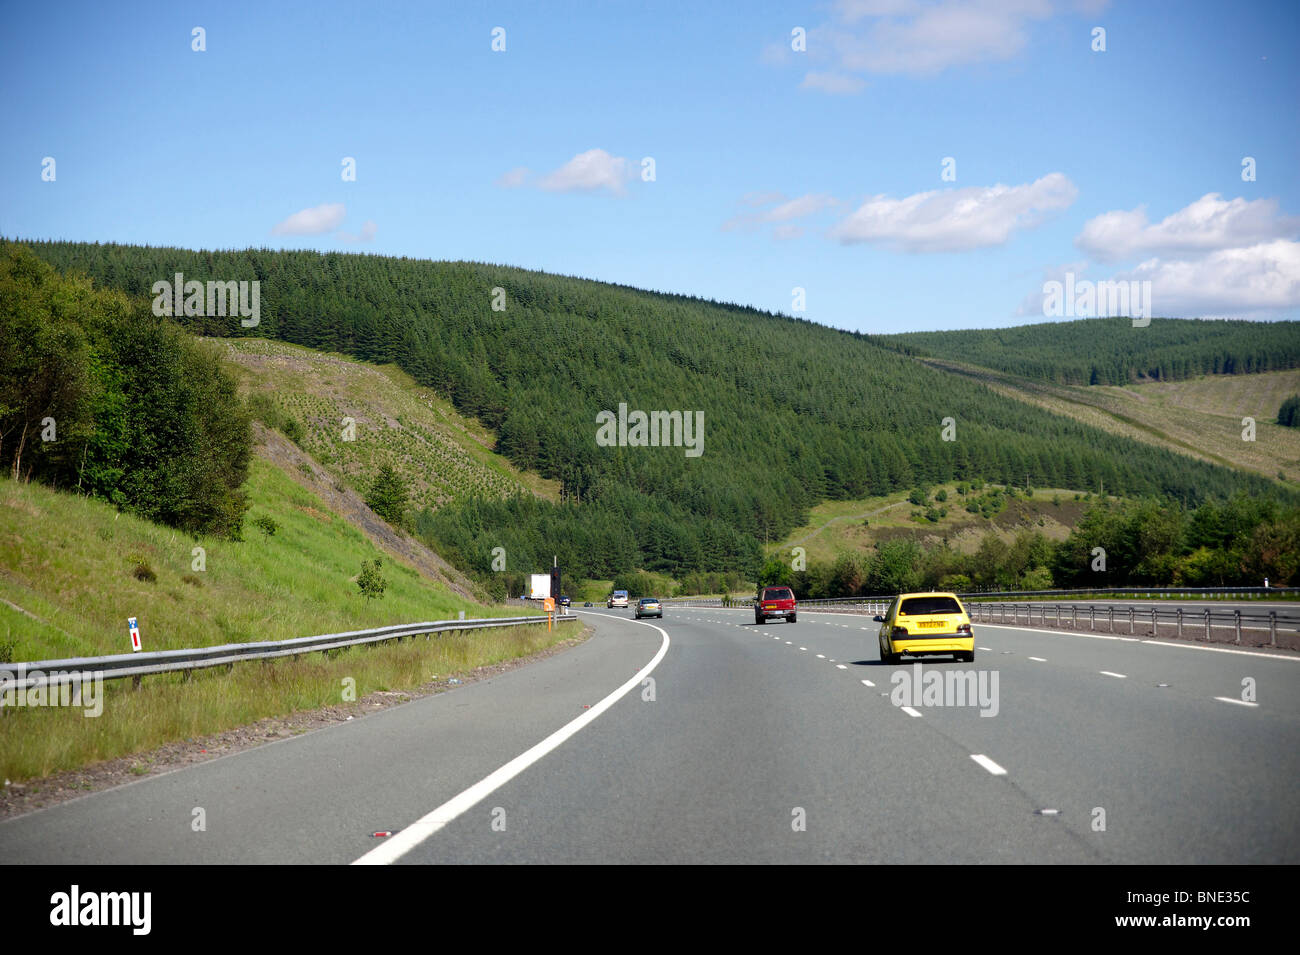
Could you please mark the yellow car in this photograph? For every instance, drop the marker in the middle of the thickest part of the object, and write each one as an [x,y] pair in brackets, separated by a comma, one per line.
[917,624]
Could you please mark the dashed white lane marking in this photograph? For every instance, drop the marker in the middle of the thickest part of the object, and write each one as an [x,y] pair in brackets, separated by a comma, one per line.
[417,832]
[868,683]
[1118,676]
[821,656]
[840,666]
[985,649]
[788,643]
[909,711]
[988,764]
[1038,659]
[803,648]
[1228,699]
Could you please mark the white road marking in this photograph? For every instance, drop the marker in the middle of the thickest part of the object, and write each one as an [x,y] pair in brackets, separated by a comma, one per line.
[417,832]
[909,711]
[988,764]
[1118,676]
[821,656]
[868,683]
[840,666]
[1038,659]
[985,649]
[1228,699]
[1149,643]
[803,648]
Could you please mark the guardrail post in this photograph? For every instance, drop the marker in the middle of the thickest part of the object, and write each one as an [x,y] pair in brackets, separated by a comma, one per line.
[1237,619]
[135,682]
[1272,628]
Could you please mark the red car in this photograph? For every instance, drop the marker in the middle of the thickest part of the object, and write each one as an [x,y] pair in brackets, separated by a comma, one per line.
[774,602]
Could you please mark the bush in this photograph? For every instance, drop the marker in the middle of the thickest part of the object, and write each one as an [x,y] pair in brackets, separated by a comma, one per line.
[370,580]
[148,420]
[389,496]
[1289,414]
[293,430]
[266,525]
[941,495]
[918,497]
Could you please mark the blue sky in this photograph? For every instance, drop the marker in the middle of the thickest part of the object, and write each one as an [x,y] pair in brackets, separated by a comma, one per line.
[774,168]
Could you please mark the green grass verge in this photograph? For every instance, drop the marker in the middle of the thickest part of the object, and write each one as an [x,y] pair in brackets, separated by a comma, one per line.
[35,742]
[75,566]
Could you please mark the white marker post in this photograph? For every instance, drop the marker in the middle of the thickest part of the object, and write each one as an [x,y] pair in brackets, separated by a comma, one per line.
[135,634]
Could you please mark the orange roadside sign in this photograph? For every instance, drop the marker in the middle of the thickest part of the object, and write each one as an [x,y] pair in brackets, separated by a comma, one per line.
[548,604]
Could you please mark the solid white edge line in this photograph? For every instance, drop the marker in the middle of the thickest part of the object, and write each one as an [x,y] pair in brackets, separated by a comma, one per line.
[1150,643]
[403,841]
[909,711]
[1038,659]
[988,764]
[1228,699]
[1118,676]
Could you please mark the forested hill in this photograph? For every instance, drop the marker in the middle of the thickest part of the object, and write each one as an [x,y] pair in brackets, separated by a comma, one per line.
[793,412]
[1111,351]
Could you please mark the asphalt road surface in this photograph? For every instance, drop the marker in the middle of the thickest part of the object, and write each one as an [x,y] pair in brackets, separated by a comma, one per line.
[755,744]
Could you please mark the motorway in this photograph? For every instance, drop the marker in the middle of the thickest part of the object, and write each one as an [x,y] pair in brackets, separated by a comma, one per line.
[754,744]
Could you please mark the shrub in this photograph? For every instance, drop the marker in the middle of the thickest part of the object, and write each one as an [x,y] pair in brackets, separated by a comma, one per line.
[370,580]
[1289,414]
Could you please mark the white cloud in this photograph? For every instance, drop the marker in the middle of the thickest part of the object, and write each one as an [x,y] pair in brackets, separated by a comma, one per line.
[514,178]
[927,38]
[591,171]
[838,83]
[1252,280]
[314,221]
[922,37]
[956,220]
[783,212]
[1208,224]
[785,232]
[368,230]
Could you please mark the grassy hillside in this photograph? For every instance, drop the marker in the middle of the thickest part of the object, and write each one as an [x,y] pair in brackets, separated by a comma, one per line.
[1111,351]
[441,455]
[1199,417]
[794,413]
[839,526]
[73,569]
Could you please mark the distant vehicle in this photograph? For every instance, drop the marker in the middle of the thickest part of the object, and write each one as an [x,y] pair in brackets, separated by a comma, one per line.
[775,602]
[618,599]
[587,604]
[649,607]
[564,601]
[925,623]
